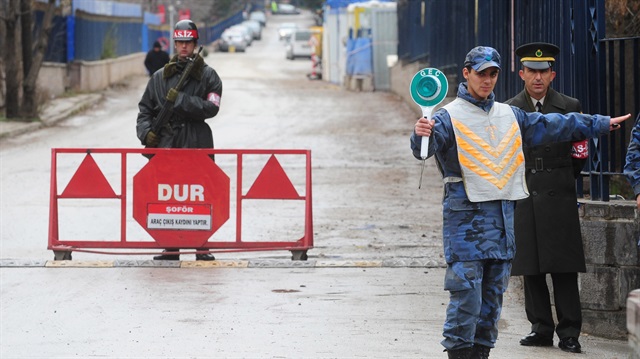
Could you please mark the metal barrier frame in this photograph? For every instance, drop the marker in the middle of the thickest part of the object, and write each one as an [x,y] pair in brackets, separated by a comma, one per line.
[62,248]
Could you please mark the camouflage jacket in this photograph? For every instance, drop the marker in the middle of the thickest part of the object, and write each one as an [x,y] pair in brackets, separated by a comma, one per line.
[484,230]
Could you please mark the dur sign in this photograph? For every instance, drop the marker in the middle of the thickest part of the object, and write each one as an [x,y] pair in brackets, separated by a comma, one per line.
[180,193]
[181,197]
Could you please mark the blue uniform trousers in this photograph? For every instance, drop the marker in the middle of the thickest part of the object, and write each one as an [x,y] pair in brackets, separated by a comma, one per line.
[475,302]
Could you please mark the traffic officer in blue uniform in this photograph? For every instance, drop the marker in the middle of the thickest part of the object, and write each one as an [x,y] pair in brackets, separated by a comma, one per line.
[477,143]
[547,226]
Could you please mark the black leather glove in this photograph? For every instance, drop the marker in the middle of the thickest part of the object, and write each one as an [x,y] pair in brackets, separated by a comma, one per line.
[152,139]
[172,95]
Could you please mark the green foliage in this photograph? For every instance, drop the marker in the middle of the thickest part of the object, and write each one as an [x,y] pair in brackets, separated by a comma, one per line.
[618,184]
[109,45]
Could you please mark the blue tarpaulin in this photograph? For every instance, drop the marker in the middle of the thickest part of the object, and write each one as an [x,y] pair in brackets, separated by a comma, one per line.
[359,60]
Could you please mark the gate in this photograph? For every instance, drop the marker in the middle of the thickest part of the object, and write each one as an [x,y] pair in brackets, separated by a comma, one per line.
[180,198]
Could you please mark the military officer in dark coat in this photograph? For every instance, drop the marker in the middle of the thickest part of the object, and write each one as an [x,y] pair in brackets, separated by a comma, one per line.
[547,227]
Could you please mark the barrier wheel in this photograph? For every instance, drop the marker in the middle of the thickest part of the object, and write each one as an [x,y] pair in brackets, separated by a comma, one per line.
[62,255]
[299,255]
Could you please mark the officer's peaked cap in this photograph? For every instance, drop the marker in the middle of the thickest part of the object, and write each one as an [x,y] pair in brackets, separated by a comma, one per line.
[538,55]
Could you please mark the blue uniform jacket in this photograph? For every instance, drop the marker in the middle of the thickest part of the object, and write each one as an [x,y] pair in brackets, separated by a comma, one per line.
[484,230]
[632,165]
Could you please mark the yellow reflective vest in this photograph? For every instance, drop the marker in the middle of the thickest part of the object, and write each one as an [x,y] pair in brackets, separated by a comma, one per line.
[489,151]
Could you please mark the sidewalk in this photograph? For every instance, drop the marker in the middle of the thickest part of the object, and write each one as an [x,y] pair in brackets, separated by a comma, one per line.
[53,112]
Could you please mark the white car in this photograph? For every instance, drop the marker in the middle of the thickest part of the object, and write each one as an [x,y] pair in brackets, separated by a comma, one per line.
[245,31]
[259,16]
[298,44]
[255,27]
[232,41]
[285,29]
[287,9]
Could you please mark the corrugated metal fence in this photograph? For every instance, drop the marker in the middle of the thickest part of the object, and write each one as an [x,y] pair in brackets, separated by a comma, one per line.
[95,30]
[589,67]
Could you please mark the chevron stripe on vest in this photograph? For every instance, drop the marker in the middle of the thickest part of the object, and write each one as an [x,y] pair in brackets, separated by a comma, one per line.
[489,151]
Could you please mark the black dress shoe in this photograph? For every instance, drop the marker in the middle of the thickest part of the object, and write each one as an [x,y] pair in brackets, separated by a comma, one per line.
[167,257]
[205,257]
[570,344]
[534,339]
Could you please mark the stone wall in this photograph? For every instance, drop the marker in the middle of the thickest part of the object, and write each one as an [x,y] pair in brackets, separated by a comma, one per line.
[633,322]
[610,233]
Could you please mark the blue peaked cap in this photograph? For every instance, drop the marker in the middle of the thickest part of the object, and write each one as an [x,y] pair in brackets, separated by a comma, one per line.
[482,57]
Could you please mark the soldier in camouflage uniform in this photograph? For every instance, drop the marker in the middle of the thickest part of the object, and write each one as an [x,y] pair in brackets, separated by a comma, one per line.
[477,143]
[632,165]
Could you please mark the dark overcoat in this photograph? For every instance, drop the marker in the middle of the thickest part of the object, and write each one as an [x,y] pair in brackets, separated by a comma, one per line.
[547,226]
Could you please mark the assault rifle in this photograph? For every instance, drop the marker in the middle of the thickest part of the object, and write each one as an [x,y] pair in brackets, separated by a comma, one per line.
[167,109]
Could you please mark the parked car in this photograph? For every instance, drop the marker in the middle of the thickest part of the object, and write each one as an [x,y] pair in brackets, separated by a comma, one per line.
[255,27]
[246,32]
[298,44]
[231,41]
[285,29]
[259,16]
[287,9]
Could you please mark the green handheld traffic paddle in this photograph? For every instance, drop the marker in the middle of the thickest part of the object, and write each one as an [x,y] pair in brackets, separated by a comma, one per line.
[428,88]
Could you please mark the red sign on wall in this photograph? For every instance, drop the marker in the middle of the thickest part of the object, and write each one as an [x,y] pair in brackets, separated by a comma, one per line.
[181,200]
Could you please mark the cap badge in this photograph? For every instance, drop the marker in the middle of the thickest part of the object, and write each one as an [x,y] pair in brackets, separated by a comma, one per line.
[539,53]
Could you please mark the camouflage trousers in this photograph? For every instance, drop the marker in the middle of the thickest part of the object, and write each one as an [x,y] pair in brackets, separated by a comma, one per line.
[475,301]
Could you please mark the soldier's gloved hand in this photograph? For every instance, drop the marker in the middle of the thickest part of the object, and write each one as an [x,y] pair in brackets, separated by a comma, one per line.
[152,139]
[172,95]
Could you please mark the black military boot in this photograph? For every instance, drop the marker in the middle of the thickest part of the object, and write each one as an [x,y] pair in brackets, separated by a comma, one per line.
[168,257]
[480,352]
[464,353]
[205,257]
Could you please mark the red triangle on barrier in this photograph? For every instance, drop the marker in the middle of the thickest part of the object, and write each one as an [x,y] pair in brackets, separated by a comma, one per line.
[272,183]
[88,182]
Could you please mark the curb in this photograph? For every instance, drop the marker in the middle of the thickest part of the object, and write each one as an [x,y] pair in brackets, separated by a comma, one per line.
[18,129]
[61,109]
[119,263]
[52,113]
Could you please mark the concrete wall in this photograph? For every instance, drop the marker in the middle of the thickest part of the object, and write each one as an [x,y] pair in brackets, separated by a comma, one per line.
[610,232]
[400,78]
[52,80]
[87,76]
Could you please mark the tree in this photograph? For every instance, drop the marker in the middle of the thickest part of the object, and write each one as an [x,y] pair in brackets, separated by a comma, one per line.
[21,12]
[11,62]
